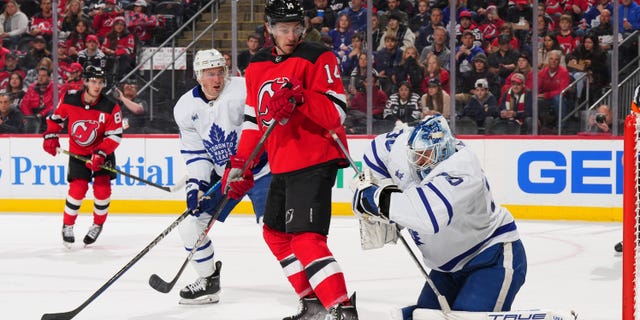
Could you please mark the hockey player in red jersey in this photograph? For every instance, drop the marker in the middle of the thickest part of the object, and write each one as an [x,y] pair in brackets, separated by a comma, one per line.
[95,131]
[298,85]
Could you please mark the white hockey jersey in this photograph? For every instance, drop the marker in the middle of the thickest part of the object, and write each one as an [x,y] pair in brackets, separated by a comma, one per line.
[210,130]
[450,214]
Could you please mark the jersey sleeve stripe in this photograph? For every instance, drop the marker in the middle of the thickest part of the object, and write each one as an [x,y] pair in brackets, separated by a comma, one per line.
[339,101]
[432,216]
[374,167]
[379,163]
[510,227]
[445,201]
[114,137]
[198,159]
[201,151]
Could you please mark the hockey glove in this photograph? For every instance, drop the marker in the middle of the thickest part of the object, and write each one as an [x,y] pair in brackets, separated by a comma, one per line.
[51,143]
[284,101]
[97,160]
[235,183]
[195,190]
[372,202]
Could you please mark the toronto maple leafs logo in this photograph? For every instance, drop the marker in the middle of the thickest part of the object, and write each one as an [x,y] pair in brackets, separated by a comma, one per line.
[220,146]
[399,174]
[415,236]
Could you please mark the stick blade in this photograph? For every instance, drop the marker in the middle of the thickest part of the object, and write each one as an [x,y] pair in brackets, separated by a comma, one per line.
[160,285]
[59,316]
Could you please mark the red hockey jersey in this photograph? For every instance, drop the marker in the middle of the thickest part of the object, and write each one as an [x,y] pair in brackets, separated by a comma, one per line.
[96,126]
[304,141]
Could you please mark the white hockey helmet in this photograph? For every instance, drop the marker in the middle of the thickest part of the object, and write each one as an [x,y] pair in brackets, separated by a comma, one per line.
[207,59]
[430,143]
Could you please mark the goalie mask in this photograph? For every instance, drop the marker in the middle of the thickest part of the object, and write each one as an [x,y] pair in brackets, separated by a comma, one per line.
[430,143]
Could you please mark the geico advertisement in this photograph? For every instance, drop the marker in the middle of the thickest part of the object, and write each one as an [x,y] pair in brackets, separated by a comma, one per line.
[535,172]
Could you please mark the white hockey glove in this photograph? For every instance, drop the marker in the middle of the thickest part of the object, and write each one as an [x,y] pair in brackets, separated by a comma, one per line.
[372,202]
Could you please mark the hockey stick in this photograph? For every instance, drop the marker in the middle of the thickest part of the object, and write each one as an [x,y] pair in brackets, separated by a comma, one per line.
[70,314]
[179,185]
[441,299]
[163,286]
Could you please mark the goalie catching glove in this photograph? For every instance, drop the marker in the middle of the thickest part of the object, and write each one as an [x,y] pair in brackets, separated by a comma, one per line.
[284,101]
[236,183]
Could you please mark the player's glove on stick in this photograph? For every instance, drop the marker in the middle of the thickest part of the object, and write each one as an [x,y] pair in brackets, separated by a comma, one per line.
[51,143]
[97,160]
[284,101]
[196,203]
[236,183]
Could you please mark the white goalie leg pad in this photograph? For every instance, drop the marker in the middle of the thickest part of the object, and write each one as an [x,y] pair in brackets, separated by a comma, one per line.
[430,314]
[375,234]
[190,229]
[208,299]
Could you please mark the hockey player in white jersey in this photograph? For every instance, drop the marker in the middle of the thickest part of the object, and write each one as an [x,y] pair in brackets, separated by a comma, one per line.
[210,118]
[437,189]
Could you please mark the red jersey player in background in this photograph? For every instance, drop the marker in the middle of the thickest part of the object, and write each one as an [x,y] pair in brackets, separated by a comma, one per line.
[95,131]
[298,85]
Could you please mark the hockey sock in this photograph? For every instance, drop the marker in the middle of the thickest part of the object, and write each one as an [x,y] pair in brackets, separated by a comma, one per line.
[102,194]
[280,245]
[203,260]
[77,190]
[322,270]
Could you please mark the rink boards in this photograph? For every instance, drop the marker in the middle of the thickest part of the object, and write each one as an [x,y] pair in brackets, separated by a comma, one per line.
[564,178]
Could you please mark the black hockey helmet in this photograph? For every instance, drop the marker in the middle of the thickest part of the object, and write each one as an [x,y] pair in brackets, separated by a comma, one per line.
[94,72]
[284,11]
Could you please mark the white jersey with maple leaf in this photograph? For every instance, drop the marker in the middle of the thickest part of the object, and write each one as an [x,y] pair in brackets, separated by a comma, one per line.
[210,130]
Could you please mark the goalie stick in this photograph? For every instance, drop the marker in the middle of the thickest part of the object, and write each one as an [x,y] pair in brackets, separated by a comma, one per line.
[70,314]
[178,185]
[163,286]
[441,299]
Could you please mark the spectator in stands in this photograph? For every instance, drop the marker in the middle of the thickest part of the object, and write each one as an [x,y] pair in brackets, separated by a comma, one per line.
[524,68]
[119,47]
[468,80]
[38,101]
[426,35]
[77,39]
[503,61]
[10,66]
[37,52]
[393,9]
[592,16]
[466,24]
[629,15]
[11,119]
[341,37]
[92,55]
[460,6]
[3,54]
[41,23]
[421,18]
[403,106]
[103,17]
[139,23]
[433,70]
[32,74]
[438,48]
[359,74]
[357,15]
[387,61]
[519,15]
[73,13]
[229,62]
[403,34]
[549,43]
[15,24]
[567,39]
[311,34]
[589,59]
[490,26]
[604,31]
[576,8]
[253,45]
[466,52]
[376,32]
[133,113]
[15,89]
[600,121]
[482,106]
[552,79]
[323,18]
[435,100]
[507,28]
[517,103]
[74,80]
[351,60]
[410,70]
[356,121]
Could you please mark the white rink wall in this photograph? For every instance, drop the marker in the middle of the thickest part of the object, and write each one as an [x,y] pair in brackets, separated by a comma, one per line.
[567,178]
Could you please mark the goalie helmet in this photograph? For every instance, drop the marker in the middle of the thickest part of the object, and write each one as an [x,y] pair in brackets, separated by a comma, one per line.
[207,59]
[430,143]
[283,11]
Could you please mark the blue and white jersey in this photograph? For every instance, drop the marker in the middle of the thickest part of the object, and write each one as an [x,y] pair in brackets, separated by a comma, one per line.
[450,214]
[210,130]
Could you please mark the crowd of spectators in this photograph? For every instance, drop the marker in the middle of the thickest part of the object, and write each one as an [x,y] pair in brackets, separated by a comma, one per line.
[102,33]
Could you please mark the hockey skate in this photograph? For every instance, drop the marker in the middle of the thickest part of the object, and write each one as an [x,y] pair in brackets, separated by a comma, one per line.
[92,234]
[344,312]
[309,309]
[67,236]
[204,290]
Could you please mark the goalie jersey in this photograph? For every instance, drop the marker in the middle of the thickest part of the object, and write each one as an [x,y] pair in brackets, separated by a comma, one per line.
[450,214]
[210,130]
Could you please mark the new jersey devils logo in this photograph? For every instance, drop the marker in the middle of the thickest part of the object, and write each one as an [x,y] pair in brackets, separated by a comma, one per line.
[85,132]
[267,90]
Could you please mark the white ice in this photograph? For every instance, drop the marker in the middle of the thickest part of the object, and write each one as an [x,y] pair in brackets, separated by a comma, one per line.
[572,266]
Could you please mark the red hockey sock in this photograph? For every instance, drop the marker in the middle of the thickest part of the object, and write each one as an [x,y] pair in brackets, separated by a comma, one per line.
[280,245]
[102,194]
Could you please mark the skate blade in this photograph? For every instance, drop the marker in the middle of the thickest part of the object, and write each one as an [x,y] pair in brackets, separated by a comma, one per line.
[67,245]
[209,299]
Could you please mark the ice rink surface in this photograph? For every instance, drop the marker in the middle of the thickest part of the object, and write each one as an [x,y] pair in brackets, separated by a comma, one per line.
[572,266]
